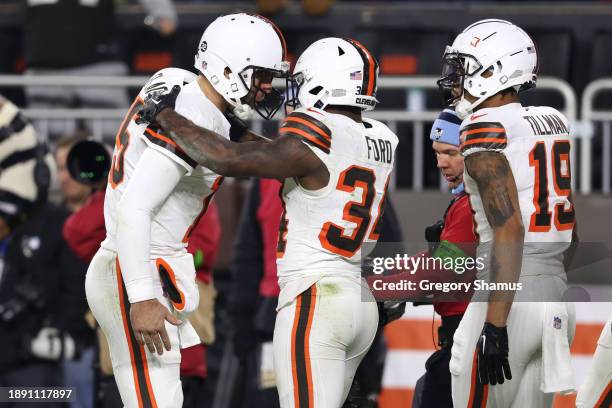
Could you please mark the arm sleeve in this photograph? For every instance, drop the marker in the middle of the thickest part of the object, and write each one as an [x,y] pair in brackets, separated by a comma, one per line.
[154,179]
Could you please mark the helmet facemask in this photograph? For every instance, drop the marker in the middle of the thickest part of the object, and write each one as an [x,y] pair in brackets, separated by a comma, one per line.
[314,97]
[264,100]
[294,83]
[458,67]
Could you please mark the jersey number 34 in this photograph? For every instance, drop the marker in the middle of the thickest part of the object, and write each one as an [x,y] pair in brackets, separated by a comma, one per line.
[332,236]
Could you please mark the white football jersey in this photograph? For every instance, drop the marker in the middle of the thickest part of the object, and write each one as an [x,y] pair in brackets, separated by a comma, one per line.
[322,231]
[173,222]
[536,142]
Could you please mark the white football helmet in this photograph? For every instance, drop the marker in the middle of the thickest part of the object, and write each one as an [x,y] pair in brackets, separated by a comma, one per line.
[498,48]
[249,46]
[334,71]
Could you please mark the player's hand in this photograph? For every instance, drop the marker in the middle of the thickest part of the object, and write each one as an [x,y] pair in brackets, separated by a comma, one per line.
[148,322]
[492,355]
[155,103]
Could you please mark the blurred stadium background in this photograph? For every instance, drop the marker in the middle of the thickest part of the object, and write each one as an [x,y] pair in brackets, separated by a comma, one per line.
[574,41]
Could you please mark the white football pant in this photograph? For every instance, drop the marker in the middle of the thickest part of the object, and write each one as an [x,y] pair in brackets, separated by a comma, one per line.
[319,340]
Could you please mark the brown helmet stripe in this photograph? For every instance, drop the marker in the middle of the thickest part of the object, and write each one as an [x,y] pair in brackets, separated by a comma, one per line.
[370,67]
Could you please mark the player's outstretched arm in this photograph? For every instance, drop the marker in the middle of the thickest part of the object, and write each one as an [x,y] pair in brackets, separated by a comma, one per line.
[497,187]
[282,158]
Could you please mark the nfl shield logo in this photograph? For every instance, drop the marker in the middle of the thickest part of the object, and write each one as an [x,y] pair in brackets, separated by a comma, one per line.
[438,133]
[557,323]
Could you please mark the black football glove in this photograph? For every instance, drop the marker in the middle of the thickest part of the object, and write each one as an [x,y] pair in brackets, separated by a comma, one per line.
[238,127]
[390,311]
[155,103]
[492,355]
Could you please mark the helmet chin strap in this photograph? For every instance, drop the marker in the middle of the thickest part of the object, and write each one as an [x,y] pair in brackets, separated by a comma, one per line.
[463,108]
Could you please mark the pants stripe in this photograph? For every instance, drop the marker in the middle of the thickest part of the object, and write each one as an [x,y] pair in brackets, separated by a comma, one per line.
[140,369]
[478,392]
[300,349]
[605,401]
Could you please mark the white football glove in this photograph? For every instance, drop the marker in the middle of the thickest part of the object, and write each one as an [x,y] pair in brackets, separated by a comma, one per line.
[49,345]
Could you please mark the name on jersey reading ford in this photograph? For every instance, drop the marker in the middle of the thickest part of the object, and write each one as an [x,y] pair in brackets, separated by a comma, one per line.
[379,150]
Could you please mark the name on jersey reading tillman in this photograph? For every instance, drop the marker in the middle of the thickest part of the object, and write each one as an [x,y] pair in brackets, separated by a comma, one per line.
[546,125]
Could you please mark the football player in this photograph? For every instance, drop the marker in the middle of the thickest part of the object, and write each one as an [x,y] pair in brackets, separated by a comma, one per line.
[517,173]
[336,167]
[597,389]
[141,283]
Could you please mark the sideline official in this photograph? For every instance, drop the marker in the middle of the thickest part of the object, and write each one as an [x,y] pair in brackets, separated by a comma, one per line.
[453,234]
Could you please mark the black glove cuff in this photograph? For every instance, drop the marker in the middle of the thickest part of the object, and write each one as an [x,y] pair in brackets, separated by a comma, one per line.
[238,127]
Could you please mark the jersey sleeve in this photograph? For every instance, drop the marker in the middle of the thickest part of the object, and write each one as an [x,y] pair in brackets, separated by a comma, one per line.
[308,129]
[482,136]
[157,140]
[153,180]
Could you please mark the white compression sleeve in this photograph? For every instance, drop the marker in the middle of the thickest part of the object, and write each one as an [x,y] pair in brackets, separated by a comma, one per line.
[153,180]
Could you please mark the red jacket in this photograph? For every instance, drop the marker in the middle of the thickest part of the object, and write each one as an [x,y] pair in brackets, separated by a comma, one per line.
[84,230]
[269,215]
[458,229]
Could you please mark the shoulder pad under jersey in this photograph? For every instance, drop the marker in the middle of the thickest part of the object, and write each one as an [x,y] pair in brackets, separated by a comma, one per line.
[309,126]
[163,80]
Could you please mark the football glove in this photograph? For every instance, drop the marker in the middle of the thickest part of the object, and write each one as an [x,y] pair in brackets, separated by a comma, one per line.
[52,345]
[238,126]
[390,311]
[156,102]
[492,355]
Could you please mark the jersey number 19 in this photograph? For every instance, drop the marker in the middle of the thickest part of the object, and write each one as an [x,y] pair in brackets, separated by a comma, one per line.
[541,219]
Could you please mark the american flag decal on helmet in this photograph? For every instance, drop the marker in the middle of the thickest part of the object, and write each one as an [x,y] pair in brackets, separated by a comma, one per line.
[357,76]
